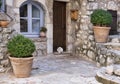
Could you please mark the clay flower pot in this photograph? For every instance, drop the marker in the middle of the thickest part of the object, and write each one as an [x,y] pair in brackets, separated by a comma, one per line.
[74,14]
[42,34]
[21,66]
[101,34]
[4,23]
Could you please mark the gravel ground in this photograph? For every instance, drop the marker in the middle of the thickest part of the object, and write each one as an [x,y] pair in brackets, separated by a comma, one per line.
[56,69]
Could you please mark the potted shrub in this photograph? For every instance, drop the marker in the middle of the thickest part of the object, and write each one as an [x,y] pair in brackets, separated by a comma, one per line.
[21,49]
[43,32]
[101,20]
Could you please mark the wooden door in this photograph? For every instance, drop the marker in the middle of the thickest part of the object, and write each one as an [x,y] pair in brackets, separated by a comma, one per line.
[59,25]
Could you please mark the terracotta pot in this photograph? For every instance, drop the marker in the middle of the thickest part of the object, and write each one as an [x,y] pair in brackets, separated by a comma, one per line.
[21,66]
[42,34]
[4,23]
[101,34]
[74,15]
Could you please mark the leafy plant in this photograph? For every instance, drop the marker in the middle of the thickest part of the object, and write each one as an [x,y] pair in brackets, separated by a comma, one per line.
[101,17]
[20,47]
[43,29]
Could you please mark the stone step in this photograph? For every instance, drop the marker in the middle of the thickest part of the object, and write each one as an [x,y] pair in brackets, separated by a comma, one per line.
[108,53]
[62,54]
[110,45]
[116,54]
[114,38]
[105,78]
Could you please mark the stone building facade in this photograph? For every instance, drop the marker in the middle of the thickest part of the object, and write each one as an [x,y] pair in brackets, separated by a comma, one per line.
[79,33]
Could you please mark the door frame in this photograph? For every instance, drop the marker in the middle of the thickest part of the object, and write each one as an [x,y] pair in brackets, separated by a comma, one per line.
[69,43]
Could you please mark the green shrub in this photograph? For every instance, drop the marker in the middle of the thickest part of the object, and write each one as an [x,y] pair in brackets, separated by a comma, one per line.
[101,17]
[43,29]
[20,47]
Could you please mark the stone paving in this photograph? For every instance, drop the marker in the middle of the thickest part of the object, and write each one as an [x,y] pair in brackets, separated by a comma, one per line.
[56,69]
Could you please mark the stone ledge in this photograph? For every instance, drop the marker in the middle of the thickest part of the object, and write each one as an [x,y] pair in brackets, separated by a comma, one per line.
[39,39]
[112,44]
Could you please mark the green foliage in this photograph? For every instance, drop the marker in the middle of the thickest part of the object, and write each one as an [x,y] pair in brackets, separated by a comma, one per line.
[20,47]
[43,29]
[101,17]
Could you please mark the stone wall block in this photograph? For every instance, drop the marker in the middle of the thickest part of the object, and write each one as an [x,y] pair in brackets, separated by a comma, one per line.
[112,5]
[91,54]
[117,59]
[91,37]
[102,61]
[102,5]
[1,56]
[109,61]
[7,30]
[5,62]
[92,6]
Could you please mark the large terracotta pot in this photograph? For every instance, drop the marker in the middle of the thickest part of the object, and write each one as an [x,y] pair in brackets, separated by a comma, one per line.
[101,34]
[21,66]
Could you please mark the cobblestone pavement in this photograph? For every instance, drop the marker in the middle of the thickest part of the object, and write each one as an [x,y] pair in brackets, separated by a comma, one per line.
[56,69]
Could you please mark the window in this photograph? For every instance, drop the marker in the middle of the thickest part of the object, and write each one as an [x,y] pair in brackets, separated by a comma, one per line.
[2,3]
[31,19]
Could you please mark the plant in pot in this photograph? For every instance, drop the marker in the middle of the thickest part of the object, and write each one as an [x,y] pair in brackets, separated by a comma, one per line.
[43,32]
[101,19]
[21,49]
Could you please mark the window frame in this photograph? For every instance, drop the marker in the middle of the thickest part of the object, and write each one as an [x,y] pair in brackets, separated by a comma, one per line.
[29,18]
[2,8]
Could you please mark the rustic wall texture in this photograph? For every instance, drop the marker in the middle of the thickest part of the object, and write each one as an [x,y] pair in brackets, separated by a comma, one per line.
[84,43]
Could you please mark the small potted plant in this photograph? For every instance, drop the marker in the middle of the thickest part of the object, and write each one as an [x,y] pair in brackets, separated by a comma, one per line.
[21,49]
[43,32]
[101,19]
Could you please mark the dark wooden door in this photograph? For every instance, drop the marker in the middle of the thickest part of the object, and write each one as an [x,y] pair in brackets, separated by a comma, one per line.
[59,25]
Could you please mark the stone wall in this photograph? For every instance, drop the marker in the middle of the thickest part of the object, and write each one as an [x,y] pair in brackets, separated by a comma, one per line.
[5,36]
[84,43]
